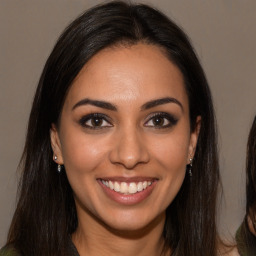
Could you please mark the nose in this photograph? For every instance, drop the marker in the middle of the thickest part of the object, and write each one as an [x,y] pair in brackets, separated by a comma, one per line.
[129,149]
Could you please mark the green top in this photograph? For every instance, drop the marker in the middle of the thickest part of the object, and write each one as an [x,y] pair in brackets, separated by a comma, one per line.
[10,251]
[246,241]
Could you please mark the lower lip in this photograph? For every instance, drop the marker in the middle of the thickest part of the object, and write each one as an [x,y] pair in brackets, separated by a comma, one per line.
[129,199]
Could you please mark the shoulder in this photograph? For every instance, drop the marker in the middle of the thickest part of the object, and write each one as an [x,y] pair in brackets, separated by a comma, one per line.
[229,251]
[227,248]
[9,251]
[233,252]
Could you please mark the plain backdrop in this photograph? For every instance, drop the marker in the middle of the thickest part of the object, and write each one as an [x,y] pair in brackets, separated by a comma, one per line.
[223,33]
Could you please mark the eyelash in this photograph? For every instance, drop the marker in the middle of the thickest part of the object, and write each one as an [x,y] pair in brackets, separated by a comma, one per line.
[95,116]
[170,119]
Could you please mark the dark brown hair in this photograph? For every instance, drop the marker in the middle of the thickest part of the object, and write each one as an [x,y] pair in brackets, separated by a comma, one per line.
[245,239]
[46,215]
[251,175]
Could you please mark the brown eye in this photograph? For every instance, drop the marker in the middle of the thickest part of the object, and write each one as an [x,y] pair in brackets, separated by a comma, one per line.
[161,120]
[158,121]
[95,121]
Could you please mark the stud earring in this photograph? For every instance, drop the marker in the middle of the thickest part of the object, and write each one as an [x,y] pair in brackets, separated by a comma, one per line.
[55,158]
[190,166]
[59,168]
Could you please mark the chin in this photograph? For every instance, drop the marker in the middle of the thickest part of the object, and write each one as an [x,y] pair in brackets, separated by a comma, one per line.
[134,225]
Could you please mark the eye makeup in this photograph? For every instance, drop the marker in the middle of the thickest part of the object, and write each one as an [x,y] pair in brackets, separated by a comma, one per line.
[161,120]
[158,120]
[95,121]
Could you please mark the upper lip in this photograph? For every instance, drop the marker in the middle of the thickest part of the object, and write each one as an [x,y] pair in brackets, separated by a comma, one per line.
[129,179]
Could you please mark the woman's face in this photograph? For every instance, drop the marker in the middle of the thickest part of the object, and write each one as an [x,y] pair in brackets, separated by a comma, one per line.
[124,136]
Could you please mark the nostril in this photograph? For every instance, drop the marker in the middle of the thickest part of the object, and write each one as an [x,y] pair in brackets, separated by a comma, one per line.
[129,152]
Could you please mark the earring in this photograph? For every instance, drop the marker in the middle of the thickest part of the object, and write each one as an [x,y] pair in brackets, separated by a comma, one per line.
[190,167]
[59,166]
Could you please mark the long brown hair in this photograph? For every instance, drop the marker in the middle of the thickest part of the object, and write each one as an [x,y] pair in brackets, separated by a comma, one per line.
[46,215]
[245,239]
[251,175]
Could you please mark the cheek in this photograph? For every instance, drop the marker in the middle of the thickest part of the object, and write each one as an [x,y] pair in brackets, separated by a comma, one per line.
[171,152]
[82,154]
[171,157]
[82,158]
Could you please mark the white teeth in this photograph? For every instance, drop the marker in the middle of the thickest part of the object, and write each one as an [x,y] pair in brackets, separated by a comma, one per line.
[111,185]
[116,187]
[132,188]
[126,188]
[140,186]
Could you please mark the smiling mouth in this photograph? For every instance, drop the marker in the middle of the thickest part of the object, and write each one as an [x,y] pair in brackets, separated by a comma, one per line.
[126,188]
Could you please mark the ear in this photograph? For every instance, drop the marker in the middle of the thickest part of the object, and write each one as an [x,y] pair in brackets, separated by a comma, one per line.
[56,145]
[193,139]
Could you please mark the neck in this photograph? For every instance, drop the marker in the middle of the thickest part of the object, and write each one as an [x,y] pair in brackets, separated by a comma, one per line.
[93,237]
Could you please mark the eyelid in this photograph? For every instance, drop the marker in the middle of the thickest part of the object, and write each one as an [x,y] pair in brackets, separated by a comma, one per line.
[86,118]
[171,119]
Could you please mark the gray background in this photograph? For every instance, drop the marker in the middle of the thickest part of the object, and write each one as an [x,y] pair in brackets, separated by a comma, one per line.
[223,34]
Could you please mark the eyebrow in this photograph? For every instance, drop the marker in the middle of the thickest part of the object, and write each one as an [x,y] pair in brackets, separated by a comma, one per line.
[109,106]
[157,102]
[97,103]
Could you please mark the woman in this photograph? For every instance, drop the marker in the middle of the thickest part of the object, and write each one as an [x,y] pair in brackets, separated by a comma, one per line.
[120,156]
[246,235]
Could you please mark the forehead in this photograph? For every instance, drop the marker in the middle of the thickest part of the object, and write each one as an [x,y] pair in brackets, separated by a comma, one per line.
[128,73]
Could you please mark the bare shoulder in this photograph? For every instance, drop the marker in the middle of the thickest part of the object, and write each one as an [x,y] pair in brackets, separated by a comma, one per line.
[234,252]
[227,249]
[230,252]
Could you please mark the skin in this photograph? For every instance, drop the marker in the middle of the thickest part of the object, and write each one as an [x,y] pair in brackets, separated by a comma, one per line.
[228,251]
[250,224]
[130,143]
